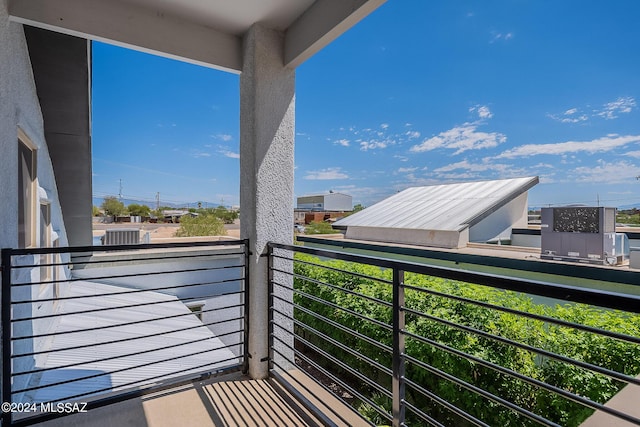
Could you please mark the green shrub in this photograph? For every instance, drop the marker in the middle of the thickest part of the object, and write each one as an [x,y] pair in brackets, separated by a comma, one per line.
[602,351]
[201,225]
[316,227]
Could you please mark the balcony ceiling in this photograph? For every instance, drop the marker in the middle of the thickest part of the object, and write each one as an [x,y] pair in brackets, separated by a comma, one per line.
[205,32]
[232,17]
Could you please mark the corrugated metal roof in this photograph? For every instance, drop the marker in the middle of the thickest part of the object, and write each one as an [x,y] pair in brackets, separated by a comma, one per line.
[190,349]
[450,207]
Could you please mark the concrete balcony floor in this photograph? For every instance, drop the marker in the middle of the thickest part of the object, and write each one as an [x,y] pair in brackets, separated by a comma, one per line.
[231,400]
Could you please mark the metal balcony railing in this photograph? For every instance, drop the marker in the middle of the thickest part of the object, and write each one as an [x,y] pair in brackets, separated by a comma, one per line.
[102,324]
[410,344]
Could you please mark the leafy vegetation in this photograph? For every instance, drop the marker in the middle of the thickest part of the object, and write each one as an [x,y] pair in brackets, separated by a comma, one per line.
[201,225]
[113,207]
[228,216]
[441,342]
[317,227]
[139,210]
[629,216]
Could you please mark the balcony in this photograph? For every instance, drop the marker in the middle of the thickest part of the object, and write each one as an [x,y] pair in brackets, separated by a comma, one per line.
[158,335]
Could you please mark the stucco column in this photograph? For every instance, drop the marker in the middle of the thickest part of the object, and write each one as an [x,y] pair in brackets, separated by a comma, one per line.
[267,116]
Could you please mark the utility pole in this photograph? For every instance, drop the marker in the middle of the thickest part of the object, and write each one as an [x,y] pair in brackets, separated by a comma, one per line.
[158,201]
[120,192]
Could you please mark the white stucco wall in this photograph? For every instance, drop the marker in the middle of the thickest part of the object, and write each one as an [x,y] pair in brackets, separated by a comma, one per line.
[406,236]
[20,109]
[338,202]
[500,222]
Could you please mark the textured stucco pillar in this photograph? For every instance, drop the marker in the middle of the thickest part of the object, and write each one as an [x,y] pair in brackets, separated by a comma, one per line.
[267,116]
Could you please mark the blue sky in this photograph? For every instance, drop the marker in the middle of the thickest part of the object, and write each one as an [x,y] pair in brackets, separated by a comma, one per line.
[418,93]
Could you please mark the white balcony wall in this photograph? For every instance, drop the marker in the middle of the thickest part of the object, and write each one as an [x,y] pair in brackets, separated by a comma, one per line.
[20,109]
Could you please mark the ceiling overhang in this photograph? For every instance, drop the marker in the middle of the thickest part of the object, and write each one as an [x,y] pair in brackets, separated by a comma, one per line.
[207,33]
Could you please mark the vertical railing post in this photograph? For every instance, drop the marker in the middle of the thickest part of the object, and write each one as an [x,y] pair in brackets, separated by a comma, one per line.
[398,385]
[247,261]
[5,318]
[270,302]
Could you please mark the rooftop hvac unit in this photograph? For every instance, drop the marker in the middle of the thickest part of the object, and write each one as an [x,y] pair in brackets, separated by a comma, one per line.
[582,234]
[122,236]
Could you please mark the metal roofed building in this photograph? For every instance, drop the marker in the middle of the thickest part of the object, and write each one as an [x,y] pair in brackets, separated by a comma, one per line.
[447,216]
[332,202]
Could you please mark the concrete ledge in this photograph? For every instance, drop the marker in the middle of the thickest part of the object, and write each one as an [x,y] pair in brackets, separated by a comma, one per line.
[232,400]
[625,401]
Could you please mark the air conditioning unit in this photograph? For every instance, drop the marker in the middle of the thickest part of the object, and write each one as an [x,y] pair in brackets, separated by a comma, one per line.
[122,236]
[582,234]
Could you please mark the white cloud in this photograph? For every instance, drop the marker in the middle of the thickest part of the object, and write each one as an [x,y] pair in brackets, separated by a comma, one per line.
[413,134]
[343,142]
[495,36]
[607,173]
[325,174]
[407,170]
[569,116]
[230,154]
[401,158]
[223,137]
[201,154]
[372,145]
[384,126]
[482,110]
[461,138]
[606,143]
[611,110]
[476,167]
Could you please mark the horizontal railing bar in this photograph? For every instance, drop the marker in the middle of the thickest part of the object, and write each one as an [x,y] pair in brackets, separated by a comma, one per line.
[110,399]
[537,383]
[337,380]
[338,270]
[134,338]
[346,310]
[430,420]
[332,341]
[347,368]
[338,288]
[547,319]
[294,389]
[497,399]
[121,276]
[128,368]
[53,368]
[119,248]
[125,260]
[75,331]
[304,400]
[585,365]
[343,328]
[95,310]
[442,402]
[132,291]
[137,353]
[547,289]
[68,398]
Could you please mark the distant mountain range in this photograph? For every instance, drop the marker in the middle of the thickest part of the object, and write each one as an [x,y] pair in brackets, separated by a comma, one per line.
[97,201]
